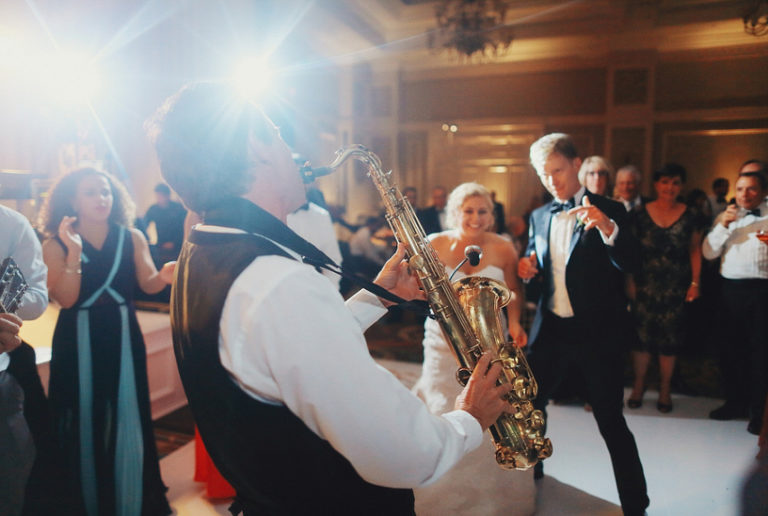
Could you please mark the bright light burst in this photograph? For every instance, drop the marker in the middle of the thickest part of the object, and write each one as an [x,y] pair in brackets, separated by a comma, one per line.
[68,78]
[58,78]
[253,78]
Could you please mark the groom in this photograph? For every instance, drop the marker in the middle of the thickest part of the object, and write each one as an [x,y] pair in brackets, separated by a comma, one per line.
[578,249]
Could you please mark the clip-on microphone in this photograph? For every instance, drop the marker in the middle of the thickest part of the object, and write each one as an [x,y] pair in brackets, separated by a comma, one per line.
[472,254]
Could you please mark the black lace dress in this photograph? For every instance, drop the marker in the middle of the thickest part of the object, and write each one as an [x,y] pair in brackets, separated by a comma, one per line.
[99,394]
[662,281]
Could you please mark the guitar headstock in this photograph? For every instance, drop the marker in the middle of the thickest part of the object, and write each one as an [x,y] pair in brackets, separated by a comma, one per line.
[12,286]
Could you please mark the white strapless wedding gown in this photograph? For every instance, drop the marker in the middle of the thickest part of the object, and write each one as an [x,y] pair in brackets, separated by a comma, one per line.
[477,486]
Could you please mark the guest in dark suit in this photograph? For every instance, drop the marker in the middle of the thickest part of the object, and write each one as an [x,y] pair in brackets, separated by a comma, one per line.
[627,189]
[499,219]
[578,250]
[433,218]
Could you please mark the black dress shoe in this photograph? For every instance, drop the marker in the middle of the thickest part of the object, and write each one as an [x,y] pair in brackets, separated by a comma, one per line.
[754,427]
[538,471]
[727,412]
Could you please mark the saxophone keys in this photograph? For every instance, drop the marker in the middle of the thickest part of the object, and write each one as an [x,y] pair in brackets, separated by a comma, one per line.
[520,387]
[543,447]
[462,375]
[537,419]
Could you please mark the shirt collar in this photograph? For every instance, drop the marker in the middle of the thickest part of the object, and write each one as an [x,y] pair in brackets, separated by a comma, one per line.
[577,197]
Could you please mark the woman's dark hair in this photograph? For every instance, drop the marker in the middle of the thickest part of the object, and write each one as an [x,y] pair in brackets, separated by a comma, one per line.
[58,204]
[201,135]
[670,170]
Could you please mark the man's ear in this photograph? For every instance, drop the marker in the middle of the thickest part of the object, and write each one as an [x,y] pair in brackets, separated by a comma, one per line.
[577,163]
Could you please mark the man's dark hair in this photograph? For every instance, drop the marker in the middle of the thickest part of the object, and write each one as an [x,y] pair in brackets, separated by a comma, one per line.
[162,188]
[762,179]
[201,135]
[670,170]
[720,182]
[760,163]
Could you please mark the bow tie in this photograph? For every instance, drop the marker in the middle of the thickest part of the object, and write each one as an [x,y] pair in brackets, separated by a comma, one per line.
[755,212]
[562,206]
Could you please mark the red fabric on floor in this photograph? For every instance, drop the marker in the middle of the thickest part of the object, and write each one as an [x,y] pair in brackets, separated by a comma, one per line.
[205,471]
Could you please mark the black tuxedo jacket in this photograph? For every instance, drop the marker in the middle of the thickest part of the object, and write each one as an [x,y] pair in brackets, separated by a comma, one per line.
[430,220]
[594,274]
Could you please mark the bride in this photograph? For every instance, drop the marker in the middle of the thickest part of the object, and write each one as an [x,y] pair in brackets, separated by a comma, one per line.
[477,485]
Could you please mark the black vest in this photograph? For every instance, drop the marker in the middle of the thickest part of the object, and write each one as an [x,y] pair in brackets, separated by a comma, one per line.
[276,464]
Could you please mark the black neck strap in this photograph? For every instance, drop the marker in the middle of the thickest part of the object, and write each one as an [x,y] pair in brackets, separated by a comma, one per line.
[242,214]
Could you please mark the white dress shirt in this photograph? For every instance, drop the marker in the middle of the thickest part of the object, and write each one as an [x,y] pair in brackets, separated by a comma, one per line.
[743,255]
[18,240]
[560,232]
[287,338]
[314,225]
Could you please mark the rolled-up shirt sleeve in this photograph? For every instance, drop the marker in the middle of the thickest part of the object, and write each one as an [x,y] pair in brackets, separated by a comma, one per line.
[715,241]
[26,251]
[366,308]
[292,341]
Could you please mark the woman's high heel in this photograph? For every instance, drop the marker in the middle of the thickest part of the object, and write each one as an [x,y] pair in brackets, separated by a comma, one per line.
[635,403]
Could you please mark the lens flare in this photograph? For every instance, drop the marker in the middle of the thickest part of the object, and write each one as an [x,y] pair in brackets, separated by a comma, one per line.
[253,78]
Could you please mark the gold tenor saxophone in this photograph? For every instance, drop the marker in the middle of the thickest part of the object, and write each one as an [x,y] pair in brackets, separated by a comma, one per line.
[469,314]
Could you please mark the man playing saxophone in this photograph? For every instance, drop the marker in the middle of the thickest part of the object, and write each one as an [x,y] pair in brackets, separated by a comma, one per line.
[294,411]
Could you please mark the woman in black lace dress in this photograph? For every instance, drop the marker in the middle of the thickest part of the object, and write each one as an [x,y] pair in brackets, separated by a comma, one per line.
[668,278]
[98,390]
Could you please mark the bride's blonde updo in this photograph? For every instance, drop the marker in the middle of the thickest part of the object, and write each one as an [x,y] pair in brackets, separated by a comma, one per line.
[457,198]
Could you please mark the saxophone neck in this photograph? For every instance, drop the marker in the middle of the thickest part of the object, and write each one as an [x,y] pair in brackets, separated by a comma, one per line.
[357,151]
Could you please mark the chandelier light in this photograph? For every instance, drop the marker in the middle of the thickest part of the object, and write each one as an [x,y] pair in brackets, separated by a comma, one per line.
[471,28]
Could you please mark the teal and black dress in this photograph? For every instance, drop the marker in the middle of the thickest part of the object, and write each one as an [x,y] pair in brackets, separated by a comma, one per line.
[99,394]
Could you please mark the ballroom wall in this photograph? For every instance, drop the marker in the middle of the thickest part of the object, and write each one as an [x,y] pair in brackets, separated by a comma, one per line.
[706,109]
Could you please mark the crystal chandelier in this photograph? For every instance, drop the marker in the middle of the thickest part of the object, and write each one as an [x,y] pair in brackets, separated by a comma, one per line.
[471,28]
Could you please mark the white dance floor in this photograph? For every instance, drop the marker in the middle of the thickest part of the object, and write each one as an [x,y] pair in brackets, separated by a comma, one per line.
[692,465]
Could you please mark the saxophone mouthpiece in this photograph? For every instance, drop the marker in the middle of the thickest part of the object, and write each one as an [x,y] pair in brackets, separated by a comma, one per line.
[473,254]
[309,174]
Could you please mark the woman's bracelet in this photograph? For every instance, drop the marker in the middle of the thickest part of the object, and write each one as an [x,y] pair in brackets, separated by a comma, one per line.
[694,284]
[78,270]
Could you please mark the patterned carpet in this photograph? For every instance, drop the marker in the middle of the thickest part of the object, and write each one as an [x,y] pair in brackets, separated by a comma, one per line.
[174,431]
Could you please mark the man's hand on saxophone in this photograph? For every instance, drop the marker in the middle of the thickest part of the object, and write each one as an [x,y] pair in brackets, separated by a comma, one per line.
[481,397]
[396,277]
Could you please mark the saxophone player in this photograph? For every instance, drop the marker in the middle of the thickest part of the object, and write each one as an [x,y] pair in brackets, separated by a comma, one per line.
[293,410]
